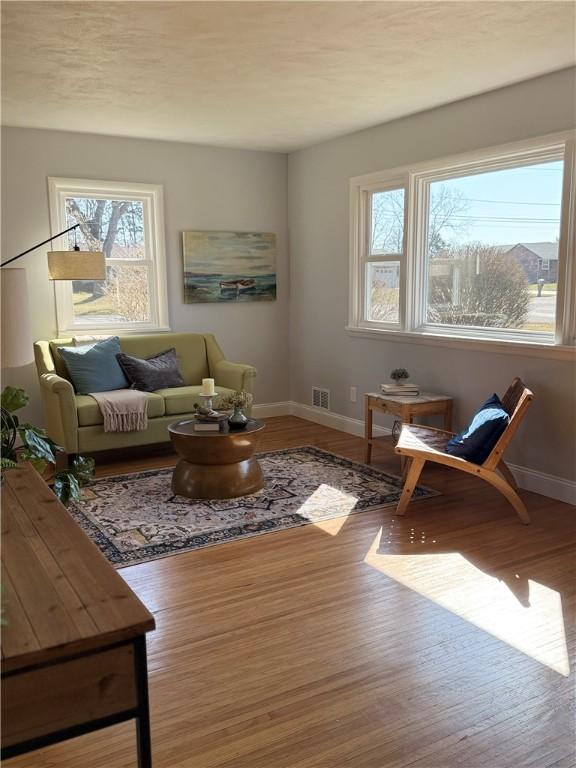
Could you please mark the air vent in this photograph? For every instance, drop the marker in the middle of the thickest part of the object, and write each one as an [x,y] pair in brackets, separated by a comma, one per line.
[321,398]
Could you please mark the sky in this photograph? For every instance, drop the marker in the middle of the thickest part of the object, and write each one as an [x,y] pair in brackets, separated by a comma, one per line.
[510,206]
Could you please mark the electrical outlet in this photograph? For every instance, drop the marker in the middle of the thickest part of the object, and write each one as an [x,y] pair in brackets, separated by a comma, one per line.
[353,394]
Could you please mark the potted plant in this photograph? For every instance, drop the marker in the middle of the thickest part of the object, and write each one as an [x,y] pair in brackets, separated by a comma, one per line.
[237,401]
[399,376]
[37,448]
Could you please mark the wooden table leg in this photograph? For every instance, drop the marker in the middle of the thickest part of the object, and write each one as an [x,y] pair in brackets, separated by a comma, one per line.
[405,418]
[143,742]
[367,430]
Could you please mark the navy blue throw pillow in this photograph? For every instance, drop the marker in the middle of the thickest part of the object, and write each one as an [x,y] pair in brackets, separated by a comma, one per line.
[476,441]
[93,367]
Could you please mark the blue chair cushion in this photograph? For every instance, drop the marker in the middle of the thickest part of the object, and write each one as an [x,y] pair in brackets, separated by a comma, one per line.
[476,441]
[94,367]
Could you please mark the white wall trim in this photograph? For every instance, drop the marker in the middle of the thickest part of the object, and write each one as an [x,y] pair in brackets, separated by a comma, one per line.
[555,487]
[269,410]
[548,485]
[335,420]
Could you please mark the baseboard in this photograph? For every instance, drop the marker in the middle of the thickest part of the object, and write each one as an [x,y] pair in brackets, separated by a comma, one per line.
[548,485]
[530,479]
[269,410]
[335,420]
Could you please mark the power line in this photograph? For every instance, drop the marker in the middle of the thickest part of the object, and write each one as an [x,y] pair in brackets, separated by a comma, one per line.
[462,218]
[508,202]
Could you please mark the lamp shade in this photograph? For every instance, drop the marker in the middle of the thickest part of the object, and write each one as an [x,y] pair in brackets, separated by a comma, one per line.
[16,334]
[76,265]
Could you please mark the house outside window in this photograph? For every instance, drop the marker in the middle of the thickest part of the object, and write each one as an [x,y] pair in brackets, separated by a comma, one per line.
[125,221]
[456,248]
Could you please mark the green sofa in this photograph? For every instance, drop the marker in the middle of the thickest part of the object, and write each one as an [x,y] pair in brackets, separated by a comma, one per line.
[75,422]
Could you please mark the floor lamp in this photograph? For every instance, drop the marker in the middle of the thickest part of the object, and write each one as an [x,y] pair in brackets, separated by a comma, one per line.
[62,265]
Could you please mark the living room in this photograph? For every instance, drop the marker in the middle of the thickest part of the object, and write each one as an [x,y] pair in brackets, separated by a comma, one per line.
[334,600]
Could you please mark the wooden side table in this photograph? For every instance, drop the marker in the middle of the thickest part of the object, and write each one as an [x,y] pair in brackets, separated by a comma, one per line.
[406,407]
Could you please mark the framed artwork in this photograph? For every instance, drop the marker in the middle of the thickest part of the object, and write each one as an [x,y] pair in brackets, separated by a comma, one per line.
[229,266]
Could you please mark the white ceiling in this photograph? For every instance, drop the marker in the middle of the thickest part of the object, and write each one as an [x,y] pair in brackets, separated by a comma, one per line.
[264,75]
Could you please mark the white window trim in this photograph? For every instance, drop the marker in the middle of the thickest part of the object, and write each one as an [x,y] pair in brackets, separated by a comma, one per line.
[416,178]
[364,254]
[152,196]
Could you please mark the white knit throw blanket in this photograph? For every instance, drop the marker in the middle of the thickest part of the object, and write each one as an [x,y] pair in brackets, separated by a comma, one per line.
[124,410]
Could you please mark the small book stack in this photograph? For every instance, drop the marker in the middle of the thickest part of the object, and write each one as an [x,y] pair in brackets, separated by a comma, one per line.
[407,390]
[209,422]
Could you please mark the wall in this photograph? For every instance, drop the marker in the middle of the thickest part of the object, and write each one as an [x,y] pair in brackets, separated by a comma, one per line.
[204,188]
[324,354]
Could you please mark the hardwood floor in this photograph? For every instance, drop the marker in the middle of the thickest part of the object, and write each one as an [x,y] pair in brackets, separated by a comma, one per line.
[439,640]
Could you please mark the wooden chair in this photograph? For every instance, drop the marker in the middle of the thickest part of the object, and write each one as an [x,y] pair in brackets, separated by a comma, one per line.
[420,444]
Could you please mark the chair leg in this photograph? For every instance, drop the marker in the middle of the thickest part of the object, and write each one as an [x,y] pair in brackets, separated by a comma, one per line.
[507,474]
[509,492]
[416,466]
[405,467]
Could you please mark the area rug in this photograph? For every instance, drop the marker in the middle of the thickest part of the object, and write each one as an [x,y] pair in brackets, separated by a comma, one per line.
[134,518]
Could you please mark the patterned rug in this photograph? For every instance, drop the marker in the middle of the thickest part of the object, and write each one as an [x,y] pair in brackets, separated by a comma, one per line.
[134,518]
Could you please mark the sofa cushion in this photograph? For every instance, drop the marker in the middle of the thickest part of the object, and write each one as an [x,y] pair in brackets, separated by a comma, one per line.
[89,414]
[153,373]
[93,367]
[182,399]
[190,351]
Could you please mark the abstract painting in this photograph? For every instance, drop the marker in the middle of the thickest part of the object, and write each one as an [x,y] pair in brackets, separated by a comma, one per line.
[229,266]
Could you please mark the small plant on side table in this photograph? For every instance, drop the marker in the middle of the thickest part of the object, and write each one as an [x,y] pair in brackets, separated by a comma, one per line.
[399,375]
[38,449]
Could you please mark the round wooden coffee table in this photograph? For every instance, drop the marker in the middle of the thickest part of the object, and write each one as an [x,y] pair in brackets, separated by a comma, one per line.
[216,465]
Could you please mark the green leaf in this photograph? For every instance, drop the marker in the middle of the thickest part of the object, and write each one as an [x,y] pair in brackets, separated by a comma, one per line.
[7,463]
[66,487]
[26,455]
[33,428]
[83,469]
[13,398]
[40,447]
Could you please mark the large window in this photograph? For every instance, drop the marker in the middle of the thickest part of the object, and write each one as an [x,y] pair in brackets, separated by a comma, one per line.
[478,247]
[124,221]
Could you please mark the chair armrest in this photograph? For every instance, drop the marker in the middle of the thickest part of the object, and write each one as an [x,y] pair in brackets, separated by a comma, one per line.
[60,412]
[234,375]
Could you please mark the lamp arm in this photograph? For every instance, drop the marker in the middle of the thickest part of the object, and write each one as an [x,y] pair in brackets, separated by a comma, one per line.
[49,240]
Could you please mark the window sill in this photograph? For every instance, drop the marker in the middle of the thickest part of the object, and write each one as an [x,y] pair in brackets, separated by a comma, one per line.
[526,349]
[88,331]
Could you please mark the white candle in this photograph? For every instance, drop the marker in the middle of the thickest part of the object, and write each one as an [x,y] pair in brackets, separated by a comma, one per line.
[208,387]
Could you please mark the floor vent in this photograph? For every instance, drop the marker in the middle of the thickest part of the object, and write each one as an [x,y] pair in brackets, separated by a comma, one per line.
[321,398]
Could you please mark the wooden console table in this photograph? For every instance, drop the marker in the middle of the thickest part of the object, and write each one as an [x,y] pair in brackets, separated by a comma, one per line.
[406,408]
[73,640]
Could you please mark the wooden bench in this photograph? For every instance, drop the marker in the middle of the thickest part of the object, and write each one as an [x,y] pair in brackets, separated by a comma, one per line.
[73,640]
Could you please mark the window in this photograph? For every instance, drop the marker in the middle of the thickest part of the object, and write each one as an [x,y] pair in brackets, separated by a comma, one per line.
[460,249]
[384,255]
[126,222]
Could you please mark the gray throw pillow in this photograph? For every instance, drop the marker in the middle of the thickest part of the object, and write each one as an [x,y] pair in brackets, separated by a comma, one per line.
[158,372]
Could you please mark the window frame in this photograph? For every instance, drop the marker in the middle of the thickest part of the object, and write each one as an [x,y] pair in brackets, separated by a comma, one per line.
[152,198]
[417,179]
[367,257]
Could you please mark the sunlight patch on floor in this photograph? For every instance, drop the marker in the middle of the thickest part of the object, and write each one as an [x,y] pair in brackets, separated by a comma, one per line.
[327,498]
[523,613]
